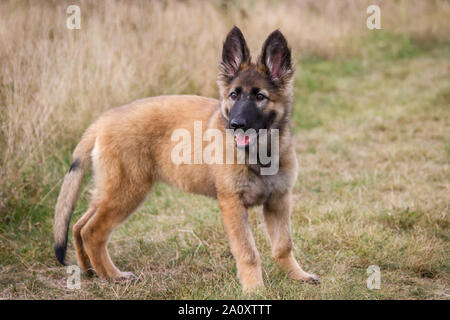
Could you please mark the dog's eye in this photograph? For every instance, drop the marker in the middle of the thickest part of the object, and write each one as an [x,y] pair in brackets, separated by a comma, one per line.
[233,95]
[260,97]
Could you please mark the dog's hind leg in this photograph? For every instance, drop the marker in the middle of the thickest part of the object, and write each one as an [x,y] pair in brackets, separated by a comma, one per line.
[121,187]
[82,257]
[112,210]
[277,212]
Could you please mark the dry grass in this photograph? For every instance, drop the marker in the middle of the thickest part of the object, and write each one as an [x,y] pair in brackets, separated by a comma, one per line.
[372,123]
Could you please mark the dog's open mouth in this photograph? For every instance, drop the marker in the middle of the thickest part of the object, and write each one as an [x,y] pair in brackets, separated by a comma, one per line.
[245,139]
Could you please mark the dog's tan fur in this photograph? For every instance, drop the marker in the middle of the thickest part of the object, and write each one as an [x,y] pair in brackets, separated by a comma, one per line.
[130,148]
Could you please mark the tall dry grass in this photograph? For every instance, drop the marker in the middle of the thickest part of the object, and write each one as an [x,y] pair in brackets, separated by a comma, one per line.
[54,81]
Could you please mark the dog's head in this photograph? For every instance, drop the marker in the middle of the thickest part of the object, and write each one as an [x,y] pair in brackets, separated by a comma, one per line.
[255,95]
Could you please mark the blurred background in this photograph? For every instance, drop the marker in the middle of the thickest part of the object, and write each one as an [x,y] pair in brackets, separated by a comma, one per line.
[371,117]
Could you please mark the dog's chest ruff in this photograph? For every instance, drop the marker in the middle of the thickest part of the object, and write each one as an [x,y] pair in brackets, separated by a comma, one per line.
[258,188]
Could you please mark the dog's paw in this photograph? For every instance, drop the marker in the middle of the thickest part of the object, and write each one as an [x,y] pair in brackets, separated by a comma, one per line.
[313,279]
[301,275]
[126,276]
[90,273]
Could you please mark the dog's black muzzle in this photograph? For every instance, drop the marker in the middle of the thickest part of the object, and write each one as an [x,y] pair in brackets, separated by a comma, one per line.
[246,115]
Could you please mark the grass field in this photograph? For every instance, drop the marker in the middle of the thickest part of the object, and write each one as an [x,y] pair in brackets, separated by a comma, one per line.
[372,129]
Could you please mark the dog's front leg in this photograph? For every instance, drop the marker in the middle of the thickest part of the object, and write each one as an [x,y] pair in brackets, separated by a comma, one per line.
[277,212]
[235,219]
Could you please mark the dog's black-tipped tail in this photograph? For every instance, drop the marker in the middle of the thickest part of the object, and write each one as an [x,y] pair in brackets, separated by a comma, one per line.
[69,192]
[60,252]
[64,206]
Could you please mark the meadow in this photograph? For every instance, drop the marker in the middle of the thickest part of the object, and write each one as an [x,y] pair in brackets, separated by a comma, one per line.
[372,130]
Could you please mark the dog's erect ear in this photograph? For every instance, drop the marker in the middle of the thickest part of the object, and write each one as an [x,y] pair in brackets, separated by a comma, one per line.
[275,58]
[235,54]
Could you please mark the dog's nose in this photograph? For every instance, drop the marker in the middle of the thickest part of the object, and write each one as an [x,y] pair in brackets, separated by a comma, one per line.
[238,123]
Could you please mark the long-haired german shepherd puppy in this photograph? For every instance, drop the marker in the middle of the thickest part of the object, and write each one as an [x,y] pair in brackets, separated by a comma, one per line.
[130,148]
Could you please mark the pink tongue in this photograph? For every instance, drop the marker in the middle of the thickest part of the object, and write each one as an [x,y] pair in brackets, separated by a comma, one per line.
[242,139]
